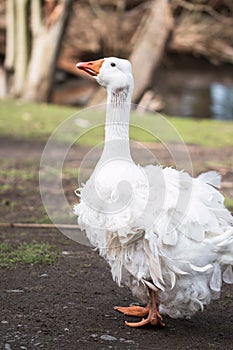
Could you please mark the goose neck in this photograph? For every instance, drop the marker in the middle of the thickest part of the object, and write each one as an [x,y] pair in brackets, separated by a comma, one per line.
[117,123]
[117,114]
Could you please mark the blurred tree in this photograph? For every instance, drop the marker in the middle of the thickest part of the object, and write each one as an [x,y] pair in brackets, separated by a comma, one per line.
[34,32]
[203,28]
[139,29]
[197,27]
[150,45]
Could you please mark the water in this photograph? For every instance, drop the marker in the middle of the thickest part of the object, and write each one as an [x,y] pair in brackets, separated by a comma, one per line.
[221,101]
[215,101]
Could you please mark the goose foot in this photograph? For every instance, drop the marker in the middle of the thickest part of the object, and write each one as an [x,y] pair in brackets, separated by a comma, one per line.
[154,318]
[133,310]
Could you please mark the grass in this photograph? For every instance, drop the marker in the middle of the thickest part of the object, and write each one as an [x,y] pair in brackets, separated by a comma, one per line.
[27,254]
[14,174]
[9,174]
[205,132]
[32,121]
[229,203]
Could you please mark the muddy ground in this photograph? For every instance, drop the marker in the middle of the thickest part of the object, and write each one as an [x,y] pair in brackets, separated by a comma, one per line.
[69,305]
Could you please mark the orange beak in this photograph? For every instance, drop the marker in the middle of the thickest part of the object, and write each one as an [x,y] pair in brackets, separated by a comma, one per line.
[92,67]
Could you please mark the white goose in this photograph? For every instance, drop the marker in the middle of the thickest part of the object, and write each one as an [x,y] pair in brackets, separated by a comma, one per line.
[166,235]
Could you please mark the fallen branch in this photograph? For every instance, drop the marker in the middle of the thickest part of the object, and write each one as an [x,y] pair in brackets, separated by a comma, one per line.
[39,226]
[151,42]
[69,66]
[204,8]
[191,35]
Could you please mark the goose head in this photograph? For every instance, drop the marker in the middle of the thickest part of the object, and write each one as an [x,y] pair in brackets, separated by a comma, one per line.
[115,74]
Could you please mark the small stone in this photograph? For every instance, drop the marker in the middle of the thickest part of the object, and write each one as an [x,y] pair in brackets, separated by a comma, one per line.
[108,337]
[7,346]
[26,116]
[66,252]
[94,335]
[14,291]
[83,123]
[4,322]
[44,275]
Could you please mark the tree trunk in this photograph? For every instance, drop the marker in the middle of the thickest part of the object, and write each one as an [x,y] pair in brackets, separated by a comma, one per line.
[46,42]
[21,56]
[31,59]
[150,44]
[10,35]
[7,74]
[16,45]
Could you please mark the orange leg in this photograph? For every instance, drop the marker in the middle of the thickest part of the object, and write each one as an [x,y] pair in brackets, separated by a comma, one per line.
[153,316]
[134,310]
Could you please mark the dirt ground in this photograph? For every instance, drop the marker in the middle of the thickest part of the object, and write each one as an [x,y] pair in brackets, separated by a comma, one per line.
[69,305]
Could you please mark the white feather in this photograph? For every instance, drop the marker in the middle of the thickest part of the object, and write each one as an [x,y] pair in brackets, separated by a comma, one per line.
[212,178]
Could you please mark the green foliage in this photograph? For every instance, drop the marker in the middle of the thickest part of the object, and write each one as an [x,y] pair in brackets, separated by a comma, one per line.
[27,254]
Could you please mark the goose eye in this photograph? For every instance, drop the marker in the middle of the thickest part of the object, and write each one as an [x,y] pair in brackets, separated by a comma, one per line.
[113,64]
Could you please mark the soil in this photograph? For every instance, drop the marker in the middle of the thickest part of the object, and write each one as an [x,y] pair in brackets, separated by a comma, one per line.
[69,305]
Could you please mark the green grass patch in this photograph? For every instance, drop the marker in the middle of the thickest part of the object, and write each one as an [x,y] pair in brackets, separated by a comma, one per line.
[229,203]
[20,174]
[30,120]
[38,121]
[204,132]
[27,254]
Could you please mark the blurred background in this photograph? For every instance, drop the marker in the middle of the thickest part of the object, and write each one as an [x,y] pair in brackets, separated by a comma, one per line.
[182,57]
[181,51]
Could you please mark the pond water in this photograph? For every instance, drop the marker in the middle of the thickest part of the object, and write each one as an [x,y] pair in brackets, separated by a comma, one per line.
[215,101]
[221,101]
[195,88]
